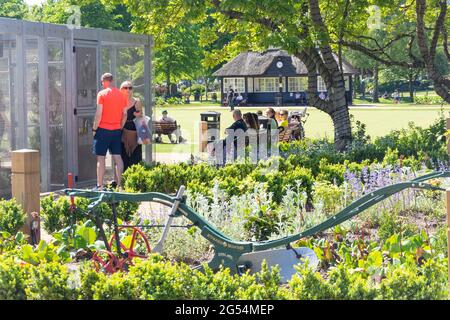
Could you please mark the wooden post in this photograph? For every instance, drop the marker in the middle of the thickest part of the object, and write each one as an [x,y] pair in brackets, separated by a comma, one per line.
[25,181]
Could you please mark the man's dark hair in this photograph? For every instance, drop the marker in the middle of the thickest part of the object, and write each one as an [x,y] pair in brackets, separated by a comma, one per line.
[107,77]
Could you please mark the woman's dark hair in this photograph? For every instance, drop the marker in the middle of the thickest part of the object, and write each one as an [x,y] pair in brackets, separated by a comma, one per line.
[272,111]
[250,120]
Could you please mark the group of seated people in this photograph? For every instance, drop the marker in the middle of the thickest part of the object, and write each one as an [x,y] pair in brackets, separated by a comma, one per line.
[278,119]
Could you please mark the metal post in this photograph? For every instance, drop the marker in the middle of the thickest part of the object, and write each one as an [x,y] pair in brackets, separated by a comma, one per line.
[148,95]
[43,112]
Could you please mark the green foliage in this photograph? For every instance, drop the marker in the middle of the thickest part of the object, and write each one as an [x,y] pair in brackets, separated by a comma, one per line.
[16,9]
[391,224]
[88,280]
[57,214]
[54,214]
[12,280]
[49,281]
[42,253]
[12,217]
[114,287]
[431,99]
[94,14]
[415,282]
[9,242]
[328,194]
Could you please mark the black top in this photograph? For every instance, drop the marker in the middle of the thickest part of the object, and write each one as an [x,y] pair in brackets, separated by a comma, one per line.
[239,124]
[129,125]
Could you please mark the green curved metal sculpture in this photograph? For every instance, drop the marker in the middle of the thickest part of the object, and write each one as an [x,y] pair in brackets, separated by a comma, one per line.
[229,252]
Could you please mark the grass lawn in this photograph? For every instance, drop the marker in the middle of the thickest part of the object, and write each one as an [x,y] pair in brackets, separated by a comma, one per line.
[379,119]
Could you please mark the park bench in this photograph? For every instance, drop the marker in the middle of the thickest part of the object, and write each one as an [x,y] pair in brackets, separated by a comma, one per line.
[285,135]
[164,128]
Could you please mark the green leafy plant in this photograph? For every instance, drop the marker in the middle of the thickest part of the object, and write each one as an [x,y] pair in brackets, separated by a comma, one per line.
[12,217]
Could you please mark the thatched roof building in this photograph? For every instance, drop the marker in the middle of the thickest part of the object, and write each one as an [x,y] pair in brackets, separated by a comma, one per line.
[272,77]
[253,63]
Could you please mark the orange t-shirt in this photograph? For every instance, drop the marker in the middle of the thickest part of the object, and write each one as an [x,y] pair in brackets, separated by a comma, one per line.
[113,102]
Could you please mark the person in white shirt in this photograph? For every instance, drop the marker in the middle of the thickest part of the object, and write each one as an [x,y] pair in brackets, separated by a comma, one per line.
[165,118]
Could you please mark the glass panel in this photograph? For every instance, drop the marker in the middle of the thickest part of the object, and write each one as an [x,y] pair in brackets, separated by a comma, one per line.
[106,60]
[237,84]
[86,59]
[57,101]
[87,163]
[86,73]
[293,84]
[347,83]
[266,85]
[130,66]
[250,84]
[8,107]
[34,137]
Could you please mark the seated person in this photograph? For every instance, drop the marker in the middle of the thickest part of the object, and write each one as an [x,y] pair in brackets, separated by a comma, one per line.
[271,114]
[239,98]
[167,119]
[294,120]
[239,123]
[297,98]
[284,118]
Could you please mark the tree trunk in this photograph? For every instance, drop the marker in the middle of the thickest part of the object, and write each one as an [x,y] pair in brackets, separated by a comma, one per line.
[336,107]
[342,128]
[168,92]
[323,61]
[375,84]
[441,84]
[363,89]
[411,86]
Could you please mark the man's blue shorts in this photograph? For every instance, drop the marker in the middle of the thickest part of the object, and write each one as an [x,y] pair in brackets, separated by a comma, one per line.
[105,140]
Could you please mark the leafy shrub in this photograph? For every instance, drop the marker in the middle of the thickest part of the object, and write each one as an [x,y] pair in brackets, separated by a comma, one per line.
[12,280]
[413,282]
[429,99]
[12,217]
[160,280]
[57,215]
[88,280]
[54,213]
[114,287]
[390,224]
[174,100]
[328,194]
[49,281]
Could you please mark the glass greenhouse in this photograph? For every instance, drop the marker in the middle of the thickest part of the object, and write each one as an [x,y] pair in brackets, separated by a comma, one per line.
[49,79]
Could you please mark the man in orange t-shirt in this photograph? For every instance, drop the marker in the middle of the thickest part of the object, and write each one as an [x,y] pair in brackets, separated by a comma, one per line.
[107,128]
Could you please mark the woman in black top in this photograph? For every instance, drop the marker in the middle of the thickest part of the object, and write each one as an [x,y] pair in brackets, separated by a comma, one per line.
[131,150]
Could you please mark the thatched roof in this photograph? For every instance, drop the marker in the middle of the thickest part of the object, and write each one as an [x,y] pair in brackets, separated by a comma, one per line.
[253,63]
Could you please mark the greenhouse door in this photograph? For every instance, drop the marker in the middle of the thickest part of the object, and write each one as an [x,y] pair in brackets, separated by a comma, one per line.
[86,59]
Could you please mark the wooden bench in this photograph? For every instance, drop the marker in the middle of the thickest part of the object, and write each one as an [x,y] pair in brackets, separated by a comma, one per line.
[166,128]
[285,135]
